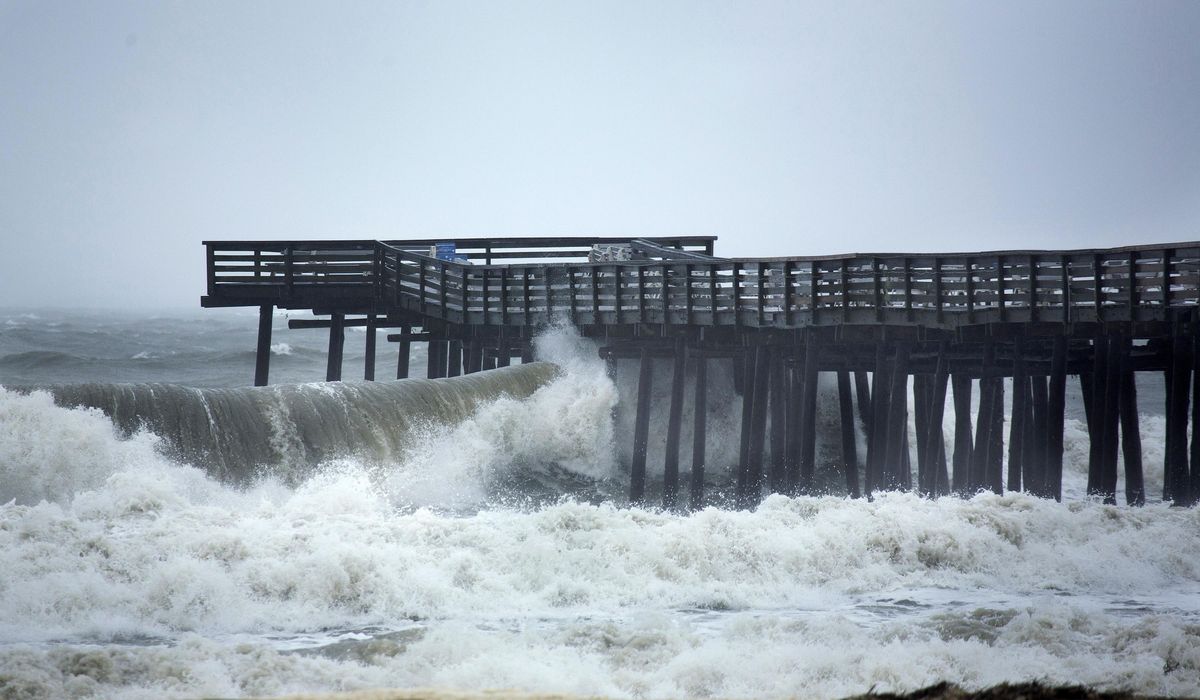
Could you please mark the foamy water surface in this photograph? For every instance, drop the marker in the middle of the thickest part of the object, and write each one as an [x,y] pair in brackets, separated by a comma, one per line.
[124,573]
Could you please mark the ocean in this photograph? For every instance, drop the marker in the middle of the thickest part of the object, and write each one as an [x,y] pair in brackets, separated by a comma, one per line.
[473,534]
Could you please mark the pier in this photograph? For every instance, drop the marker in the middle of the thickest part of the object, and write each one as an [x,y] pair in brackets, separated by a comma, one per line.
[879,324]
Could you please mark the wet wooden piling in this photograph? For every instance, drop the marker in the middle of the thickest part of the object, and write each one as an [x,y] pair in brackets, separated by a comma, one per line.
[262,356]
[699,432]
[337,340]
[641,428]
[670,499]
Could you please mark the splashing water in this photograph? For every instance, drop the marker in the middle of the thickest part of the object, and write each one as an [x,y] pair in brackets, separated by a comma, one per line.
[129,572]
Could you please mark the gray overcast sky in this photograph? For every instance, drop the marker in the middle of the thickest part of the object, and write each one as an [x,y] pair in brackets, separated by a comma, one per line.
[131,131]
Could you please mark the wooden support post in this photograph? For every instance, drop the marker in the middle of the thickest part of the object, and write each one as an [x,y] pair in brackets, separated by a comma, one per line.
[808,416]
[758,427]
[1056,401]
[403,355]
[1018,430]
[1110,419]
[527,352]
[1131,438]
[1175,479]
[337,339]
[1194,481]
[877,437]
[995,464]
[454,358]
[961,482]
[435,365]
[699,432]
[746,365]
[674,425]
[503,350]
[1094,393]
[795,388]
[938,483]
[475,356]
[921,423]
[893,474]
[262,355]
[849,443]
[862,391]
[779,391]
[1033,464]
[369,352]
[977,478]
[641,429]
[741,370]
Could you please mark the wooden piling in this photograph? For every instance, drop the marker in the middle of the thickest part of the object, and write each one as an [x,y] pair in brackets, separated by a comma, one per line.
[895,469]
[1131,439]
[977,478]
[758,427]
[337,339]
[877,437]
[1095,398]
[403,354]
[1018,431]
[641,429]
[435,365]
[1193,490]
[454,359]
[1176,478]
[808,416]
[862,394]
[745,365]
[369,351]
[1033,463]
[262,354]
[1055,408]
[699,432]
[503,349]
[963,445]
[921,423]
[795,399]
[779,428]
[849,442]
[475,356]
[938,481]
[995,463]
[674,426]
[1110,420]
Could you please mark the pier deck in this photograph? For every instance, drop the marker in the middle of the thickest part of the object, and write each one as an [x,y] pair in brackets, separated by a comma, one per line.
[878,321]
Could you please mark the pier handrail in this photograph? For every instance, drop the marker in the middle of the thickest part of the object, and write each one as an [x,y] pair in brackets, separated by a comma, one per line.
[677,281]
[1132,283]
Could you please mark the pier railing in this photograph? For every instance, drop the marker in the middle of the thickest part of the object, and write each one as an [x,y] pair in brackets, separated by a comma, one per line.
[1126,284]
[677,281]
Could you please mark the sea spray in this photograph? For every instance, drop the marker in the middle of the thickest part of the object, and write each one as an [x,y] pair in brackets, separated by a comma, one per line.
[126,573]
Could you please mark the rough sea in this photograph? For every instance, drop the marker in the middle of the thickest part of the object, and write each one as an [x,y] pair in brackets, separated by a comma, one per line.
[473,534]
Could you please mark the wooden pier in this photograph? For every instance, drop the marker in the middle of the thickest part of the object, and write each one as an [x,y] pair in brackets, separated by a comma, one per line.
[881,324]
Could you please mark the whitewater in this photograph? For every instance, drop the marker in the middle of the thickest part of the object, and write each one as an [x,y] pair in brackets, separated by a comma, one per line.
[489,545]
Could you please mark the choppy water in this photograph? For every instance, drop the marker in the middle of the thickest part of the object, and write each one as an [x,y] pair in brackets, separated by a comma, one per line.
[491,549]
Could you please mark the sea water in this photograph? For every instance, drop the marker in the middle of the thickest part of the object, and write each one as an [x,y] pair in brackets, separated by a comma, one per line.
[495,550]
